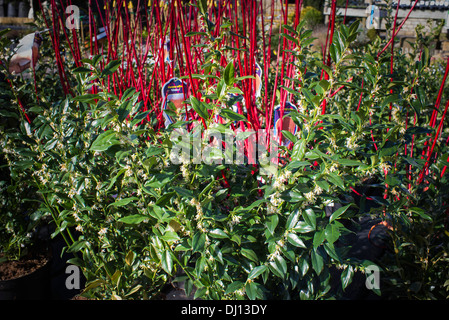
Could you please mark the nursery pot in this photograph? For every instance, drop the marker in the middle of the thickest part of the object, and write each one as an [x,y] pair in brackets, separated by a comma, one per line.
[33,286]
[2,8]
[23,9]
[12,9]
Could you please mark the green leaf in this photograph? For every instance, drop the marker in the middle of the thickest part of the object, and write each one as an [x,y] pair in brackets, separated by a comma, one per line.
[251,290]
[290,136]
[202,5]
[183,192]
[234,286]
[110,68]
[279,266]
[303,227]
[289,28]
[170,236]
[318,238]
[350,163]
[257,271]
[272,222]
[195,33]
[295,240]
[346,277]
[199,108]
[235,90]
[324,84]
[198,242]
[317,261]
[229,74]
[245,77]
[336,180]
[297,164]
[77,246]
[87,98]
[133,219]
[104,141]
[234,116]
[303,266]
[388,149]
[167,261]
[250,254]
[218,233]
[244,135]
[332,233]
[289,37]
[420,212]
[392,180]
[82,70]
[310,218]
[292,219]
[338,213]
[128,93]
[134,290]
[123,202]
[299,149]
[129,259]
[390,99]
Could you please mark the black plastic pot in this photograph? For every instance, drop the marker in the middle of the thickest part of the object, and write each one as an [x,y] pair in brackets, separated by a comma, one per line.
[33,286]
[23,9]
[12,9]
[2,8]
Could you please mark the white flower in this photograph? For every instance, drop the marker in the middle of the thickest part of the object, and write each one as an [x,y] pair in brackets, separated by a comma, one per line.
[384,167]
[275,199]
[76,216]
[310,196]
[79,228]
[334,167]
[128,172]
[234,220]
[317,190]
[102,231]
[185,171]
[350,142]
[271,209]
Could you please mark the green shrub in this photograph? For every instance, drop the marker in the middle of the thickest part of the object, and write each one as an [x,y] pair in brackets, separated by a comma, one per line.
[145,215]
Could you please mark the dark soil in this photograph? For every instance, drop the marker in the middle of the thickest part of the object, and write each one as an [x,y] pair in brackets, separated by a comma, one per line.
[15,269]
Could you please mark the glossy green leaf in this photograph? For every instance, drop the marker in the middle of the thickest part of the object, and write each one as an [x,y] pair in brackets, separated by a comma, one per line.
[310,218]
[234,116]
[133,219]
[229,74]
[318,238]
[218,233]
[198,241]
[167,261]
[317,261]
[292,219]
[199,108]
[295,240]
[346,277]
[250,254]
[338,213]
[123,202]
[272,222]
[110,68]
[257,271]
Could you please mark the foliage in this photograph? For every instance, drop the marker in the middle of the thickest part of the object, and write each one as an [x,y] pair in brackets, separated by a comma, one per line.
[21,215]
[312,17]
[137,214]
